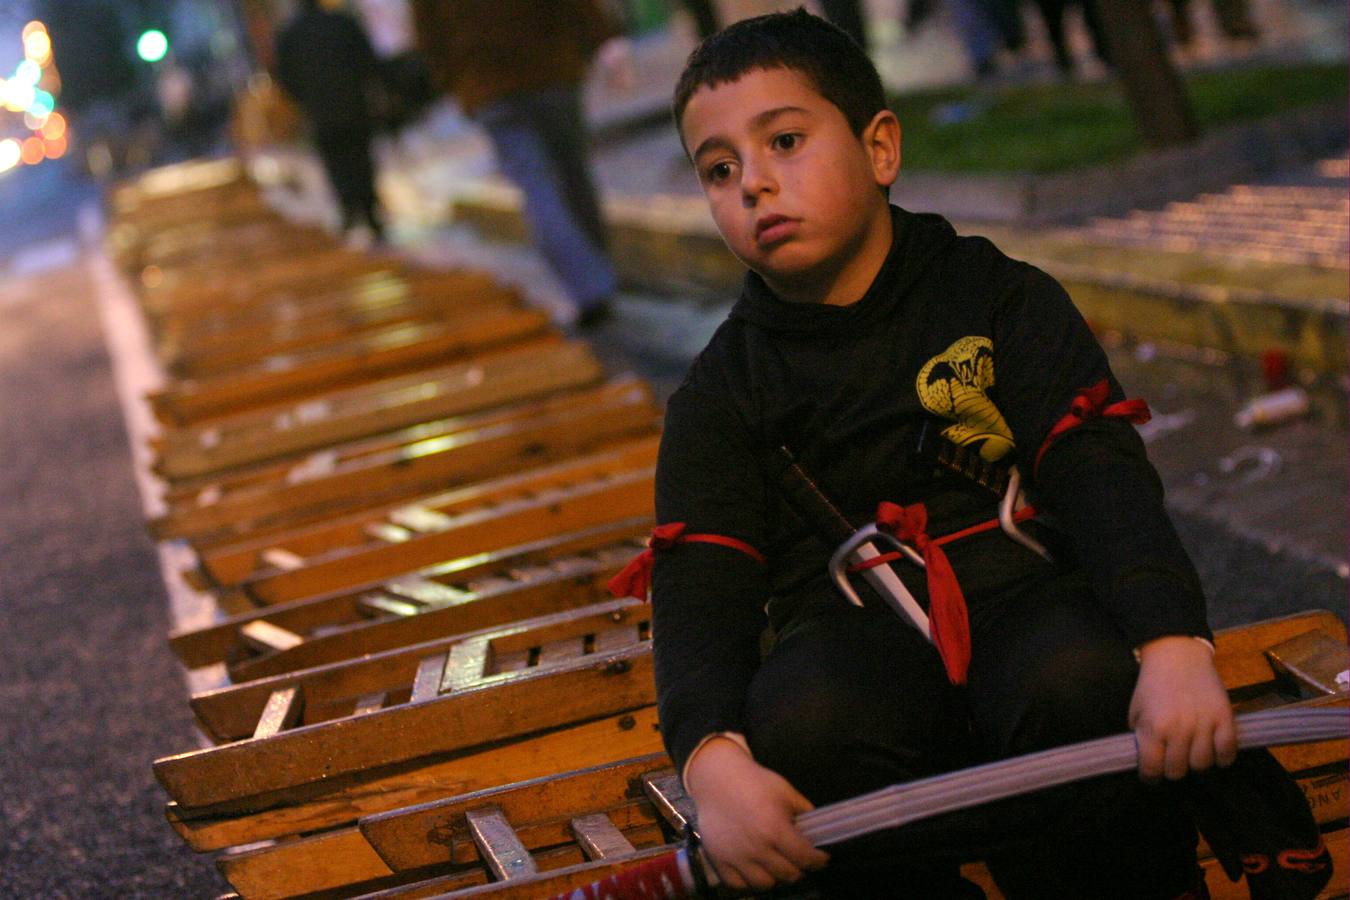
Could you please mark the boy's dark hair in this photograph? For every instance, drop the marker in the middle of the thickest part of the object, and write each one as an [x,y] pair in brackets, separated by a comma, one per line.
[839,69]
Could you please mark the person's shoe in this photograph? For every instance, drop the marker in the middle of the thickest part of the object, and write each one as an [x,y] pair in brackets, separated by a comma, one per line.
[594,315]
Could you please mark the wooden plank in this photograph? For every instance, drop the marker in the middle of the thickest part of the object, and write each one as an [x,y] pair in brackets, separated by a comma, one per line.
[232,564]
[383,604]
[246,487]
[530,371]
[416,836]
[281,712]
[1315,659]
[623,496]
[498,845]
[220,642]
[395,350]
[370,703]
[495,605]
[466,665]
[307,865]
[229,713]
[1240,651]
[264,636]
[339,802]
[427,682]
[599,838]
[506,707]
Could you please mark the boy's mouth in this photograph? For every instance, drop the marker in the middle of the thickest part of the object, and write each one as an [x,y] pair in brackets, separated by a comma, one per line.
[772,229]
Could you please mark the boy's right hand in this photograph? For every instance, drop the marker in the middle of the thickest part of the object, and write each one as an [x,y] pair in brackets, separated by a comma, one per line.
[745,818]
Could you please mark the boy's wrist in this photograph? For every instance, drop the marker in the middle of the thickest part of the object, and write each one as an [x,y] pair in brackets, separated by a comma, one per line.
[716,737]
[1148,647]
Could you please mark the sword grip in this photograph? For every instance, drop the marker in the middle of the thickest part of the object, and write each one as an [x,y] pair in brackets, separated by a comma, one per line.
[809,501]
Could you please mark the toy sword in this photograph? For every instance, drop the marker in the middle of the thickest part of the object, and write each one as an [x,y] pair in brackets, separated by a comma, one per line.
[685,873]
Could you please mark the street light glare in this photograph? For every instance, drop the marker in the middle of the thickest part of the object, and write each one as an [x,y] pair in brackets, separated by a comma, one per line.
[152,45]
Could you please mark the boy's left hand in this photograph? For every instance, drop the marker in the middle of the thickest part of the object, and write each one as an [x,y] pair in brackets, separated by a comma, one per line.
[1180,713]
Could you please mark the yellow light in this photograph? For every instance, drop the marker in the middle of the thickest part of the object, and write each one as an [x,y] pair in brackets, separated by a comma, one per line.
[10,154]
[54,128]
[55,147]
[33,27]
[37,46]
[32,151]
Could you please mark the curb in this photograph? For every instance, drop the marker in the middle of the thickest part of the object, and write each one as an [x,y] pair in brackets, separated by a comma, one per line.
[1213,162]
[668,244]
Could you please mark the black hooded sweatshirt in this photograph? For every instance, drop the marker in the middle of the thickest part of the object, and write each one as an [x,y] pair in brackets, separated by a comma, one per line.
[953,333]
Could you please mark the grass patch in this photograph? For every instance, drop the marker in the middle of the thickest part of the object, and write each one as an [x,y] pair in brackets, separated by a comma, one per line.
[1056,127]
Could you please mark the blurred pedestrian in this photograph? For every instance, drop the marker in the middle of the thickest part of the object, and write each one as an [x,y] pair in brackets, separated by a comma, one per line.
[325,62]
[706,20]
[1053,12]
[1234,17]
[516,67]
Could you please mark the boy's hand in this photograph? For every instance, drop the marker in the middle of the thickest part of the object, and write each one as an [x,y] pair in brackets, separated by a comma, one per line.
[1180,713]
[745,817]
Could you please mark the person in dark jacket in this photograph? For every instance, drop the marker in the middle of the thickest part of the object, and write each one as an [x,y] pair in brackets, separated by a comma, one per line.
[516,67]
[324,61]
[863,334]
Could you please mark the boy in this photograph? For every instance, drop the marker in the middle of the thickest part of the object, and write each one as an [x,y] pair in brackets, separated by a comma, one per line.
[860,325]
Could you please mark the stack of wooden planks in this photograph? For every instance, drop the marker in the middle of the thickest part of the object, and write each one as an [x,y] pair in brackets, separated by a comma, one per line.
[405,491]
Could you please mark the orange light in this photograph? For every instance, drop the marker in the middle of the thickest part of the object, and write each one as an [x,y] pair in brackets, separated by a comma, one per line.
[32,151]
[33,27]
[55,147]
[55,127]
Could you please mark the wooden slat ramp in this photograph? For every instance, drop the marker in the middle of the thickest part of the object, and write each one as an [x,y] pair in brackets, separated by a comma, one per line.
[405,491]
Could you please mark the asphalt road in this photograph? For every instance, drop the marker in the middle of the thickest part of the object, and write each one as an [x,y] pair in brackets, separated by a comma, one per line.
[89,693]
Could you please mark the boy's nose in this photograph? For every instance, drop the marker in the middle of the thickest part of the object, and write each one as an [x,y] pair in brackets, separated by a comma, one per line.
[756,180]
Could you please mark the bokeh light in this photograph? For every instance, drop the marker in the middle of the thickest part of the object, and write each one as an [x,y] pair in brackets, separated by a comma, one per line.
[32,151]
[152,45]
[19,95]
[54,129]
[42,105]
[10,154]
[33,122]
[32,27]
[55,147]
[28,72]
[37,47]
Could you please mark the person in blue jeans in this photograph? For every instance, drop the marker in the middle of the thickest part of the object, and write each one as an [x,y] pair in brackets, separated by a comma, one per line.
[516,67]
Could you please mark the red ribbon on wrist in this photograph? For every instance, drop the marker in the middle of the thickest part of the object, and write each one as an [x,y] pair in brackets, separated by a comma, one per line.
[1090,403]
[948,618]
[635,579]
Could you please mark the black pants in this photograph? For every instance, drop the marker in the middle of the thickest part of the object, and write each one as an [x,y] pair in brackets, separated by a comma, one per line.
[346,157]
[854,700]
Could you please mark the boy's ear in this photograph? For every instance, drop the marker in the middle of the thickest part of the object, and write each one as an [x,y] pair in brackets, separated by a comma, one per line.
[881,140]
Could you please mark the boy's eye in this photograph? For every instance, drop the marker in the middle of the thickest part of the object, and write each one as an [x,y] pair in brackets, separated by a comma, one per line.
[718,172]
[786,141]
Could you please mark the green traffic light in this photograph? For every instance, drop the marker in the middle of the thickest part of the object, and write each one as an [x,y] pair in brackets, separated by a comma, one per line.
[152,45]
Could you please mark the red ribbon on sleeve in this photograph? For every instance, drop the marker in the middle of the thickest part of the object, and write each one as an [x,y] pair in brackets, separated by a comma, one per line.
[1090,403]
[948,618]
[635,579]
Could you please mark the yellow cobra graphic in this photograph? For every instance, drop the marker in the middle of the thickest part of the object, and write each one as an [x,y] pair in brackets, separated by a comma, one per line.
[954,385]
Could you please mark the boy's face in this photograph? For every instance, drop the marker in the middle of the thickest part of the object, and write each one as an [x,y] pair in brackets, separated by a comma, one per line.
[795,193]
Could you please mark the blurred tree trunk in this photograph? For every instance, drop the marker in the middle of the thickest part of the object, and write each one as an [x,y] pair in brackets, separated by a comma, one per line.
[1156,95]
